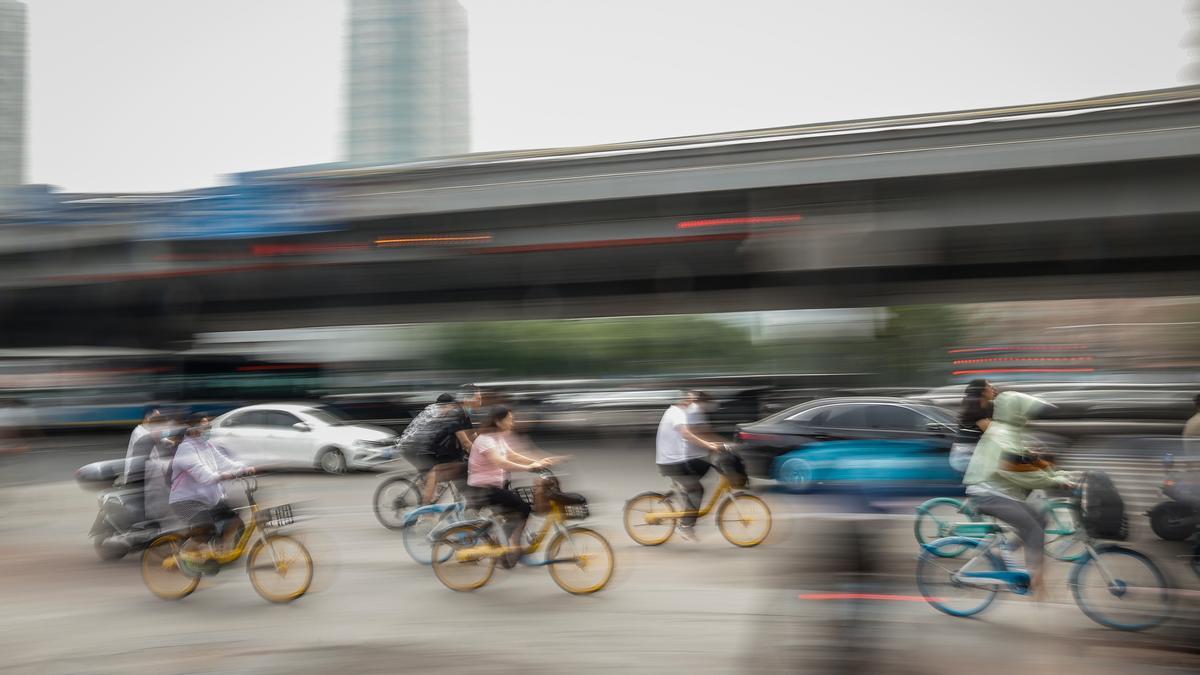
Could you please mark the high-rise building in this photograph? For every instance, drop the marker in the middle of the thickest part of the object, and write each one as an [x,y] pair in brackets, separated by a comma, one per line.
[12,93]
[408,94]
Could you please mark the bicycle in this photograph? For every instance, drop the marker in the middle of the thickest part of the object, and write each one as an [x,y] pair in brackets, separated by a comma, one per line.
[271,559]
[400,492]
[650,517]
[579,559]
[936,519]
[420,523]
[1122,574]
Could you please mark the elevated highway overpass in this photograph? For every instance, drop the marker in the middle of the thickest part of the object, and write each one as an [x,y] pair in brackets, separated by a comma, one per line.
[1091,198]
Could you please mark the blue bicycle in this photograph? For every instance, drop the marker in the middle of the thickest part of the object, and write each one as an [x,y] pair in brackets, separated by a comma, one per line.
[420,523]
[1115,586]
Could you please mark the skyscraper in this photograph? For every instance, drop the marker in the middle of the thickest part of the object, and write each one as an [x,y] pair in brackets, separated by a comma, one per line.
[408,94]
[12,93]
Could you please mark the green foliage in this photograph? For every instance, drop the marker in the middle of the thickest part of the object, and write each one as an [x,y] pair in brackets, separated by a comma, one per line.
[914,342]
[596,347]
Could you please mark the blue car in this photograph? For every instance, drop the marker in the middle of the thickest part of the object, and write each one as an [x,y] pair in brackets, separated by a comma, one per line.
[876,466]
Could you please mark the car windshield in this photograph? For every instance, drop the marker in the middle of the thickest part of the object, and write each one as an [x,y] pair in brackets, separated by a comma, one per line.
[325,416]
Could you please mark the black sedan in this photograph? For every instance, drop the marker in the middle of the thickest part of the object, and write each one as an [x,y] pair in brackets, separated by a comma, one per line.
[843,419]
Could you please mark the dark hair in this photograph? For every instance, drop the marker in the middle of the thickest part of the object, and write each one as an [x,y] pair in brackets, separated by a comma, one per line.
[196,418]
[446,398]
[494,416]
[975,387]
[700,396]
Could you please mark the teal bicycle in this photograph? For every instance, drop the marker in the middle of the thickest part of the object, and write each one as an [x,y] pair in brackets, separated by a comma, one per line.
[1115,586]
[937,518]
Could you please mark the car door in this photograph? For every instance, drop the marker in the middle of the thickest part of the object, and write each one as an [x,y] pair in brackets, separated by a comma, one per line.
[242,435]
[285,445]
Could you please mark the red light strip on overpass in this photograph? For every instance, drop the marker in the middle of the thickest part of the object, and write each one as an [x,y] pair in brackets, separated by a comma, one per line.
[1015,359]
[997,371]
[1027,348]
[748,220]
[420,241]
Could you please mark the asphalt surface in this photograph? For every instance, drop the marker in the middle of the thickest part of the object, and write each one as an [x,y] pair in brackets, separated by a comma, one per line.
[707,607]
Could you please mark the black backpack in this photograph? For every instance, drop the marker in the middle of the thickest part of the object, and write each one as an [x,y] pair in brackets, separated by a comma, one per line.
[1102,509]
[733,468]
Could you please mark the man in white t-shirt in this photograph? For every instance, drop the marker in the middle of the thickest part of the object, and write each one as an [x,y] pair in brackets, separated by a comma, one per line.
[681,451]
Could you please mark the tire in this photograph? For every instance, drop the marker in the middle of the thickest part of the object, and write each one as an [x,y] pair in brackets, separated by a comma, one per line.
[744,520]
[161,572]
[1135,575]
[394,498]
[463,575]
[590,552]
[644,533]
[291,558]
[416,537]
[1173,521]
[935,577]
[936,519]
[1062,526]
[797,474]
[107,553]
[332,461]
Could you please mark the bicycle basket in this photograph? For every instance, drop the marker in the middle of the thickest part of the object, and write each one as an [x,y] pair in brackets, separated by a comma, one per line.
[573,504]
[277,516]
[734,469]
[525,492]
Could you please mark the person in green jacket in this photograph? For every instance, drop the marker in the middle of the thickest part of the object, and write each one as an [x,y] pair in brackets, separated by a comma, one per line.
[1003,472]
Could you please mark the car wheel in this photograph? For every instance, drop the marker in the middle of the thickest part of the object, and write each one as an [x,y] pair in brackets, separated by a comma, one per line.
[332,461]
[797,474]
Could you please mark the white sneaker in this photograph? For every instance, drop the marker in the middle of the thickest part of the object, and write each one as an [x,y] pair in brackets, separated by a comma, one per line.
[687,533]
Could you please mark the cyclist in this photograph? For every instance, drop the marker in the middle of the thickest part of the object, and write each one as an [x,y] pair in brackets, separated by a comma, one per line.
[492,458]
[437,439]
[682,445]
[197,496]
[1003,472]
[974,419]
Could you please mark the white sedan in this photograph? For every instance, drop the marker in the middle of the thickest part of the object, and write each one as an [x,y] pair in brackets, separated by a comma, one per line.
[298,435]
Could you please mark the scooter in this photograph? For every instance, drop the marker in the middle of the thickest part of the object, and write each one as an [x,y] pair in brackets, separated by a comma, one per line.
[1177,518]
[121,526]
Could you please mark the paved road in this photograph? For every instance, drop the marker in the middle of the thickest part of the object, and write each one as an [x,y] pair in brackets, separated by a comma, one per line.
[695,608]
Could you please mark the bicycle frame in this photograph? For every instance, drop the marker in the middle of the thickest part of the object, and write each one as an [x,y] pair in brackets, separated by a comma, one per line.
[722,490]
[1017,580]
[242,544]
[555,520]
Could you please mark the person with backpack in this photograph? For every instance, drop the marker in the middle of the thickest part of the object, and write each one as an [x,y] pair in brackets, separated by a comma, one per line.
[436,442]
[1003,472]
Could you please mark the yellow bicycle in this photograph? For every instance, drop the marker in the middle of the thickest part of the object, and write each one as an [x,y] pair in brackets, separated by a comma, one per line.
[579,559]
[280,567]
[743,519]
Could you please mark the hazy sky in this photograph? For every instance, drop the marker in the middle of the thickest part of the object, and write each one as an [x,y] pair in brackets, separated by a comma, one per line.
[131,95]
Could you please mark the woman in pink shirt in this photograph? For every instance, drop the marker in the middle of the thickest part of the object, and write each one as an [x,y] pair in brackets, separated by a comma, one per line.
[491,460]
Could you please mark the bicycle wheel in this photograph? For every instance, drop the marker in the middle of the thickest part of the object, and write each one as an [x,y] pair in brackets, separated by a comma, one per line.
[937,576]
[642,531]
[394,498]
[584,561]
[1122,589]
[1062,528]
[463,573]
[416,536]
[744,520]
[936,519]
[280,569]
[161,571]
